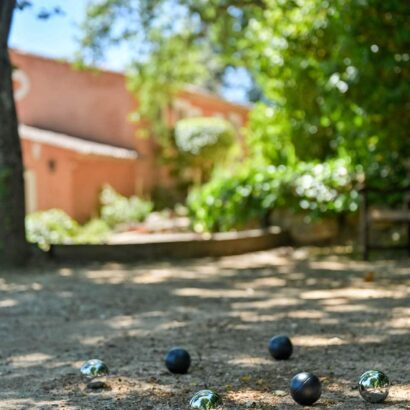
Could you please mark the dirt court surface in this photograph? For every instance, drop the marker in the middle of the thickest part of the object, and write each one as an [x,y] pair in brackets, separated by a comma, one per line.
[223,312]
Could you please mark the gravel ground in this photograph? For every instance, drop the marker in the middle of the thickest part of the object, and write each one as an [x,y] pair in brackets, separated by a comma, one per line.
[343,316]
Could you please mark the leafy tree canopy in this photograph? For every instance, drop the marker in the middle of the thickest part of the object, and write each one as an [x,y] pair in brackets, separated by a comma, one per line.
[333,75]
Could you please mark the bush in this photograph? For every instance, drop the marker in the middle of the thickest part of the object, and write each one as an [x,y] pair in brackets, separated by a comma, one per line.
[94,231]
[233,199]
[117,209]
[54,226]
[201,143]
[203,136]
[51,227]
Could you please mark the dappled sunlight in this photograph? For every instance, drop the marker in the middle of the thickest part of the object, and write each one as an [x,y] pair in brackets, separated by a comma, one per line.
[121,322]
[65,294]
[250,317]
[330,321]
[8,303]
[107,276]
[307,314]
[267,303]
[254,261]
[335,301]
[318,340]
[352,293]
[6,286]
[28,360]
[206,269]
[246,397]
[32,404]
[347,308]
[130,315]
[171,325]
[292,275]
[269,282]
[337,266]
[153,276]
[156,313]
[67,272]
[399,393]
[399,321]
[92,341]
[217,293]
[248,361]
[376,338]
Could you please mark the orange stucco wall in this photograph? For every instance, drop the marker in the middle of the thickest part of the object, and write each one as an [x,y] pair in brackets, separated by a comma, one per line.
[71,181]
[53,187]
[79,103]
[90,174]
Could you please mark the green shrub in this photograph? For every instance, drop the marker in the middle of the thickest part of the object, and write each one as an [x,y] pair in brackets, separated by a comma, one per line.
[325,188]
[54,226]
[233,199]
[51,227]
[94,231]
[203,136]
[117,209]
[201,143]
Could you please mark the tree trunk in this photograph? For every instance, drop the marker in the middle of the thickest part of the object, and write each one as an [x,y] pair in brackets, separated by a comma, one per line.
[13,245]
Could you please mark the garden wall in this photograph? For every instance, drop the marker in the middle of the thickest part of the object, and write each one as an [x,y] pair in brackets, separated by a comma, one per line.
[175,246]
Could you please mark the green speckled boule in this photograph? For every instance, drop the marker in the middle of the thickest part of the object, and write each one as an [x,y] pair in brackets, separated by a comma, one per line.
[205,399]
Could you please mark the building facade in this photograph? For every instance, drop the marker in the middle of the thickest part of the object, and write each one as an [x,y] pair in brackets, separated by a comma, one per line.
[76,134]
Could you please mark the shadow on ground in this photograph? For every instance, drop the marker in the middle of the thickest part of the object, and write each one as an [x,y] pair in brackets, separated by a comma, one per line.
[223,311]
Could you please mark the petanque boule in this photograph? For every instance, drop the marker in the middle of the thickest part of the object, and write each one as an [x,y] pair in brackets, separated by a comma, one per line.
[94,368]
[280,347]
[178,360]
[205,399]
[374,386]
[305,388]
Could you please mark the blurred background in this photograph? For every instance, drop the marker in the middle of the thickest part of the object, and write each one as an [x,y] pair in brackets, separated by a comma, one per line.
[142,117]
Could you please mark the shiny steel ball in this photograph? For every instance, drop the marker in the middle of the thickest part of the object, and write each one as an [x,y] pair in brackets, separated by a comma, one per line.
[205,399]
[305,388]
[94,368]
[178,360]
[374,386]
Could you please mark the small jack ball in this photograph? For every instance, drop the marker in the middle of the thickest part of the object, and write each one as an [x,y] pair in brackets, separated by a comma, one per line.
[280,347]
[305,388]
[374,386]
[178,360]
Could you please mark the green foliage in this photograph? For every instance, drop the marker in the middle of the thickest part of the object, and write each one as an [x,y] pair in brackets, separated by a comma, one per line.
[333,79]
[267,138]
[334,75]
[54,226]
[202,143]
[117,209]
[233,199]
[164,49]
[156,80]
[51,227]
[94,231]
[201,137]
